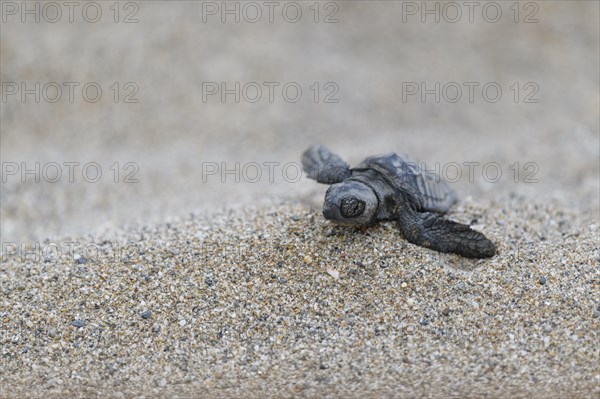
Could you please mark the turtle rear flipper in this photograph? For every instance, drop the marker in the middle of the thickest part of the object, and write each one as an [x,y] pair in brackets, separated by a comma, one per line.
[324,166]
[430,230]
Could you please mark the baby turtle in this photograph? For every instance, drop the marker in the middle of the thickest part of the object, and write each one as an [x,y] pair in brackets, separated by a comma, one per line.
[392,187]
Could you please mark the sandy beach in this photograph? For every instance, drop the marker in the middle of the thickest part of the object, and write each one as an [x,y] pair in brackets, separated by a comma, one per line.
[198,263]
[278,303]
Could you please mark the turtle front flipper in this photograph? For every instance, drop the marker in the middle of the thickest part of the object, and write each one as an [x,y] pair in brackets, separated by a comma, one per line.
[430,230]
[324,166]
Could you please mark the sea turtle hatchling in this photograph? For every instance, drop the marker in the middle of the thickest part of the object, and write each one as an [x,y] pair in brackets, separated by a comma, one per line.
[392,187]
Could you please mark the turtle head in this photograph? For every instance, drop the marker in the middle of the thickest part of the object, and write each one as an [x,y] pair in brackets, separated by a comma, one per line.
[350,203]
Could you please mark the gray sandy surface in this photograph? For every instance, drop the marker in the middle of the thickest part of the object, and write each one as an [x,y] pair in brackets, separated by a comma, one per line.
[248,304]
[184,285]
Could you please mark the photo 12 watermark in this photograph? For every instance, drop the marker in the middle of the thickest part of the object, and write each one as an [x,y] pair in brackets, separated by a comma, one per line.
[470,11]
[71,172]
[54,92]
[51,12]
[251,172]
[451,172]
[254,92]
[69,252]
[270,11]
[454,92]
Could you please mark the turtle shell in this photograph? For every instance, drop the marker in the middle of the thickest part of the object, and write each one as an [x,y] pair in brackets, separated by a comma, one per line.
[428,189]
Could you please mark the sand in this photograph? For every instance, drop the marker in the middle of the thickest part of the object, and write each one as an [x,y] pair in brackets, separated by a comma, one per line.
[193,284]
[279,303]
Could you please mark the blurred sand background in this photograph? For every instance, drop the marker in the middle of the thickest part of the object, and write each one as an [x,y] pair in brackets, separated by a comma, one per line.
[171,133]
[369,53]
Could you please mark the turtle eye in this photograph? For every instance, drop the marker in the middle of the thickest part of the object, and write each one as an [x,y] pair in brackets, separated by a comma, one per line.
[352,207]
